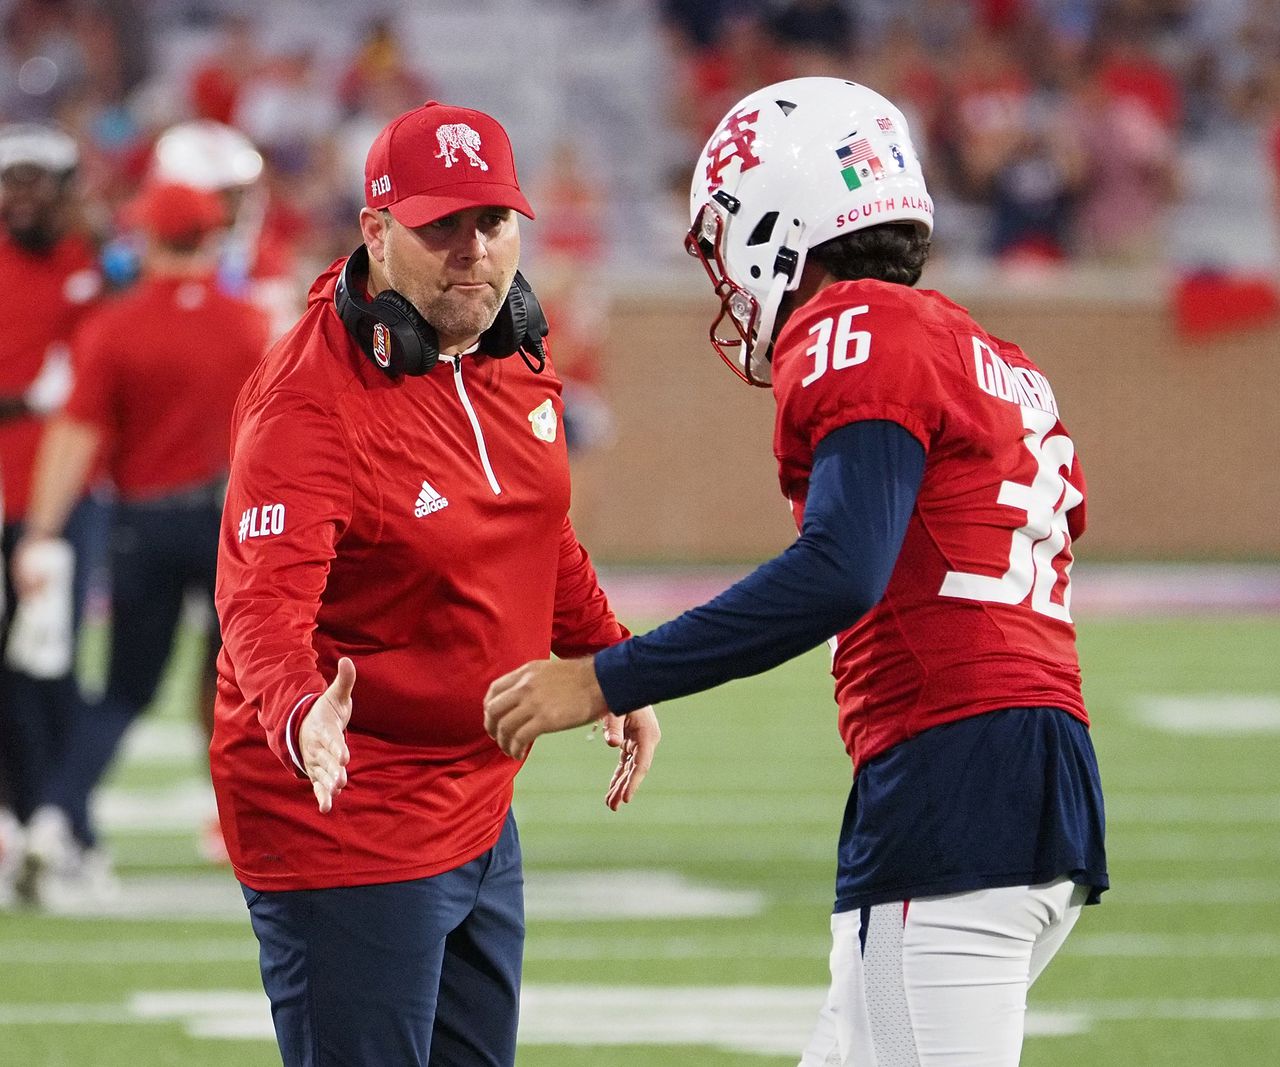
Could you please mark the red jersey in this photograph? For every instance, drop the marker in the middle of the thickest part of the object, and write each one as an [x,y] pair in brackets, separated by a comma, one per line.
[50,292]
[419,526]
[158,371]
[977,611]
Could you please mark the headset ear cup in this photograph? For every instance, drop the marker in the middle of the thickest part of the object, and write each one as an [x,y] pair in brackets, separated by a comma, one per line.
[503,337]
[388,329]
[414,343]
[520,324]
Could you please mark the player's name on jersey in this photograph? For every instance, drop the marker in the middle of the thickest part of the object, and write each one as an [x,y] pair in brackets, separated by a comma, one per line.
[1019,385]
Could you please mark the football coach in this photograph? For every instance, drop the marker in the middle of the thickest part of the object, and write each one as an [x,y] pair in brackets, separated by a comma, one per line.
[396,534]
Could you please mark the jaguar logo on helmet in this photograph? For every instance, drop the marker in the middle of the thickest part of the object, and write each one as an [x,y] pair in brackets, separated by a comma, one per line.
[812,157]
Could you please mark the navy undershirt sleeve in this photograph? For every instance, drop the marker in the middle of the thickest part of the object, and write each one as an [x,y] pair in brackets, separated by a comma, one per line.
[862,490]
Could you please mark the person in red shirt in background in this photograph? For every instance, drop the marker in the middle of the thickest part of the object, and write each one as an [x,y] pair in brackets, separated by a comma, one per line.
[256,260]
[48,265]
[216,84]
[398,507]
[570,268]
[158,371]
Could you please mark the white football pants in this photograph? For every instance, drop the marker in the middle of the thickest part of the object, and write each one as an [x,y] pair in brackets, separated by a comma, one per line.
[942,981]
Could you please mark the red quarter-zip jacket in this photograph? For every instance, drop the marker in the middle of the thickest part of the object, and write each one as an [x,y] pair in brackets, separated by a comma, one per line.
[419,526]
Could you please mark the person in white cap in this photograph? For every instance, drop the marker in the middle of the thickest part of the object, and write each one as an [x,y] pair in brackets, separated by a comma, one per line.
[255,261]
[48,257]
[937,494]
[396,532]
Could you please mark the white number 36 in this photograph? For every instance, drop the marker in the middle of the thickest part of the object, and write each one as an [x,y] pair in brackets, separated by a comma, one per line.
[847,348]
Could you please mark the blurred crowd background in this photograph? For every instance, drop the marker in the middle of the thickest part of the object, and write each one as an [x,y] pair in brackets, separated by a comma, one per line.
[1130,132]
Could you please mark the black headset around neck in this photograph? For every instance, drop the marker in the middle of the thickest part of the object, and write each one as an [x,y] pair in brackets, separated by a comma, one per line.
[393,333]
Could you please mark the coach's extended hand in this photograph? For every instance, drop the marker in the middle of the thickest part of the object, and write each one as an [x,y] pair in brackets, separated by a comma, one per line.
[546,696]
[322,741]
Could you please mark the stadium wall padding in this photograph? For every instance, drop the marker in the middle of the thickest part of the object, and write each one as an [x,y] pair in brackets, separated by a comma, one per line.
[1180,441]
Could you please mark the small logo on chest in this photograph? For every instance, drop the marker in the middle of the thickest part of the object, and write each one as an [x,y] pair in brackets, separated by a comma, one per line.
[542,420]
[428,501]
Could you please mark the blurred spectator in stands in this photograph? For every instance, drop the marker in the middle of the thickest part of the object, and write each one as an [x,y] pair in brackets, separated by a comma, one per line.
[710,80]
[48,265]
[1130,73]
[378,84]
[1271,120]
[1129,173]
[940,24]
[990,97]
[1035,175]
[45,58]
[571,286]
[1033,193]
[287,106]
[217,83]
[379,74]
[696,24]
[817,37]
[903,69]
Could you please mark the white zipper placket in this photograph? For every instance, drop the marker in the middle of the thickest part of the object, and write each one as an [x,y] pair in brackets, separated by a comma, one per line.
[475,427]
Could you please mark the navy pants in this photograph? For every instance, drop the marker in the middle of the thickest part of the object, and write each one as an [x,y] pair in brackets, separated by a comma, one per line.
[38,716]
[405,973]
[159,550]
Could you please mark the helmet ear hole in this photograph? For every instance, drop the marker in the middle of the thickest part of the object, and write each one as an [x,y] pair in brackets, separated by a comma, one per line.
[764,229]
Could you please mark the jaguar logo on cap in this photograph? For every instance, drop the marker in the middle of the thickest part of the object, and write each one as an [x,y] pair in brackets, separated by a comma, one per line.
[455,136]
[436,160]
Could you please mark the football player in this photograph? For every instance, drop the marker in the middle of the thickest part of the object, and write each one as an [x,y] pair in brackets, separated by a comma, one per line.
[937,494]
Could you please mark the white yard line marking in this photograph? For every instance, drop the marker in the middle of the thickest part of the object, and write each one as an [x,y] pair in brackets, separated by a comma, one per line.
[1174,946]
[632,894]
[121,952]
[549,895]
[164,742]
[746,1019]
[186,805]
[1210,714]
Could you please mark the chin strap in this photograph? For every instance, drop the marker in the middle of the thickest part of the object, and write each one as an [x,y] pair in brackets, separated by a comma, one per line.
[787,265]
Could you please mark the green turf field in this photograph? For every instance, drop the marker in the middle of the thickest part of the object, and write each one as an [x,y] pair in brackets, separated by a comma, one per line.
[691,929]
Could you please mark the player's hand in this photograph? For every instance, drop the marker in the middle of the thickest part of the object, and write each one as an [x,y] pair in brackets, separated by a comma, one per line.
[29,566]
[322,741]
[637,735]
[539,698]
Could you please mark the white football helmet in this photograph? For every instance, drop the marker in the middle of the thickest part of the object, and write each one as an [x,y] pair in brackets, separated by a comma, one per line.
[789,167]
[38,146]
[206,155]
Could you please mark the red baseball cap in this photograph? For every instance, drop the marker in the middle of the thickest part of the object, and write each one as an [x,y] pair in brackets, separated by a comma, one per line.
[174,212]
[437,159]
